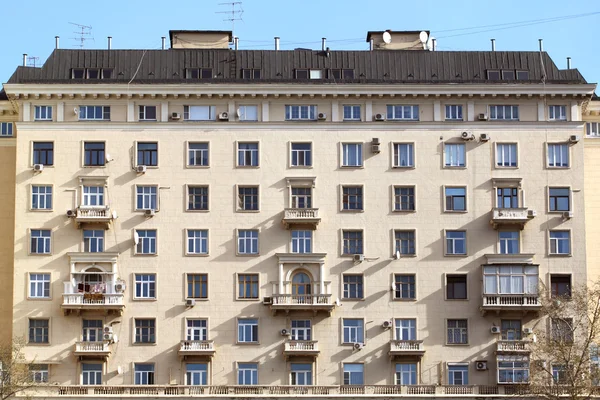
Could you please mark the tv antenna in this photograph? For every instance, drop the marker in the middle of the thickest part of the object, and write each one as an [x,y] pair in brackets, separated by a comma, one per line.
[84,33]
[235,14]
[32,61]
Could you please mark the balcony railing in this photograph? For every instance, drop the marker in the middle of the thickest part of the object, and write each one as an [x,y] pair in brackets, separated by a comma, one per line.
[93,301]
[94,214]
[511,302]
[196,348]
[301,216]
[406,347]
[305,302]
[301,348]
[83,349]
[511,216]
[512,346]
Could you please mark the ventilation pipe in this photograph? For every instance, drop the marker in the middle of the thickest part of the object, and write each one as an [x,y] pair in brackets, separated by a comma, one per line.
[541,41]
[323,44]
[236,42]
[56,38]
[433,42]
[276,42]
[568,62]
[163,39]
[493,44]
[109,42]
[371,45]
[25,59]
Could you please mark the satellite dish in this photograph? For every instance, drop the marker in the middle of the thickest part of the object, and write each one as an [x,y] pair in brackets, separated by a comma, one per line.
[136,238]
[429,44]
[114,215]
[119,370]
[387,38]
[107,158]
[238,112]
[397,255]
[423,37]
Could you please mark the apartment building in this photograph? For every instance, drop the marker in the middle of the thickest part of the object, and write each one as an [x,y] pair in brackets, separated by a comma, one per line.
[206,221]
[591,117]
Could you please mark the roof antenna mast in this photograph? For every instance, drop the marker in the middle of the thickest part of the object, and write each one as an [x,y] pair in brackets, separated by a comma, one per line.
[235,14]
[83,32]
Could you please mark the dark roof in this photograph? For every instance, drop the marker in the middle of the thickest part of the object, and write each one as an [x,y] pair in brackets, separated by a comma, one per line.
[3,95]
[380,66]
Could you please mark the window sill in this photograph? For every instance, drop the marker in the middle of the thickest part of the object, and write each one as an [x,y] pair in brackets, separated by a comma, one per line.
[456,299]
[93,166]
[41,209]
[457,344]
[301,167]
[352,166]
[197,211]
[551,167]
[455,255]
[144,299]
[404,211]
[397,299]
[453,120]
[400,167]
[454,167]
[247,211]
[349,255]
[197,166]
[39,298]
[145,255]
[143,344]
[556,212]
[456,211]
[247,255]
[147,120]
[247,299]
[197,254]
[352,210]
[405,255]
[559,255]
[38,344]
[147,166]
[501,167]
[353,299]
[248,343]
[248,166]
[45,166]
[40,254]
[197,298]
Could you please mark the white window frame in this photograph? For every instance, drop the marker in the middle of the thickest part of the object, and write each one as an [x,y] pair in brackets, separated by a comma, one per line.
[44,198]
[302,241]
[191,331]
[463,331]
[454,112]
[463,372]
[196,375]
[93,241]
[452,156]
[397,154]
[42,113]
[146,286]
[506,242]
[553,243]
[451,243]
[149,330]
[352,111]
[252,368]
[557,112]
[147,193]
[300,112]
[92,330]
[305,197]
[245,115]
[6,129]
[244,336]
[193,113]
[359,153]
[512,359]
[347,376]
[47,241]
[504,155]
[96,374]
[84,113]
[355,334]
[509,112]
[399,375]
[245,152]
[397,112]
[301,333]
[148,376]
[39,373]
[592,129]
[405,329]
[39,285]
[304,153]
[152,242]
[253,241]
[203,153]
[555,159]
[515,279]
[304,374]
[143,111]
[194,244]
[87,196]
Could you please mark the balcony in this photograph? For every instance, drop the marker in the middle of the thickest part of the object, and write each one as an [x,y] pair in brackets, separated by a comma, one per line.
[106,302]
[307,217]
[302,302]
[92,349]
[511,216]
[301,348]
[400,348]
[511,302]
[512,347]
[196,348]
[100,215]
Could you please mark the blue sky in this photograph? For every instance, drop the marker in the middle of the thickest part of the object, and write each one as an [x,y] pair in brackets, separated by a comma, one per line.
[29,27]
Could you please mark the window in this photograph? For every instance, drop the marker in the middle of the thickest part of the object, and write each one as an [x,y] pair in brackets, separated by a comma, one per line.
[43,153]
[94,113]
[146,241]
[145,330]
[403,113]
[506,155]
[352,155]
[341,73]
[198,73]
[248,113]
[406,374]
[38,373]
[39,286]
[558,155]
[301,330]
[147,154]
[509,242]
[196,374]
[559,374]
[145,286]
[404,155]
[510,279]
[91,73]
[352,198]
[251,73]
[510,329]
[197,241]
[147,198]
[510,113]
[247,154]
[199,113]
[197,198]
[559,199]
[300,113]
[248,286]
[592,128]
[352,242]
[354,374]
[147,113]
[454,112]
[301,374]
[93,241]
[41,197]
[351,113]
[247,241]
[353,330]
[456,287]
[94,154]
[560,242]
[522,75]
[309,74]
[404,198]
[353,287]
[404,243]
[456,198]
[247,374]
[40,241]
[560,286]
[301,154]
[92,330]
[454,154]
[43,113]
[144,374]
[513,369]
[507,197]
[198,154]
[93,196]
[557,113]
[301,242]
[405,329]
[39,330]
[456,242]
[197,329]
[562,329]
[404,287]
[301,197]
[248,198]
[197,286]
[247,330]
[458,374]
[91,374]
[508,75]
[493,75]
[6,129]
[457,331]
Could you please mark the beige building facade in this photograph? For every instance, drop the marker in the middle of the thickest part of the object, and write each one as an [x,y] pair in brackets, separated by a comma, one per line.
[295,222]
[591,117]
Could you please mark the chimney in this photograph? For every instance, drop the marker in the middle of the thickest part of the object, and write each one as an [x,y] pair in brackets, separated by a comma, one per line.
[568,62]
[25,59]
[56,38]
[541,44]
[163,39]
[323,44]
[433,42]
[276,42]
[493,44]
[236,42]
[109,42]
[371,45]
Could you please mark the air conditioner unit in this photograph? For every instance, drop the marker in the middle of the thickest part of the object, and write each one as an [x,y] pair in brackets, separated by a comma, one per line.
[481,365]
[375,148]
[379,117]
[70,213]
[574,138]
[285,332]
[190,303]
[359,258]
[375,140]
[467,136]
[484,137]
[321,116]
[527,331]
[224,116]
[119,287]
[108,337]
[531,213]
[108,329]
[482,117]
[495,329]
[358,346]
[175,116]
[568,214]
[386,324]
[140,169]
[150,213]
[267,301]
[38,167]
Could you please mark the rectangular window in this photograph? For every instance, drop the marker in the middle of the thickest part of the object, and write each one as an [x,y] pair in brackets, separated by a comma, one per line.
[352,198]
[39,330]
[592,129]
[457,331]
[404,243]
[247,374]
[196,374]
[301,242]
[507,197]
[147,154]
[147,198]
[301,154]
[404,287]
[198,154]
[405,329]
[93,240]
[144,374]
[560,242]
[352,154]
[352,242]
[351,113]
[454,155]
[146,241]
[38,373]
[456,287]
[43,113]
[247,154]
[456,198]
[403,113]
[454,112]
[337,73]
[145,330]
[353,330]
[197,329]
[94,113]
[248,198]
[508,75]
[41,197]
[301,330]
[92,330]
[506,113]
[458,374]
[145,286]
[510,279]
[300,113]
[559,374]
[91,374]
[354,374]
[93,196]
[251,73]
[248,286]
[40,241]
[557,113]
[506,155]
[562,329]
[456,242]
[147,113]
[404,199]
[301,374]
[197,240]
[6,129]
[197,286]
[406,374]
[522,75]
[513,369]
[560,286]
[558,155]
[198,73]
[198,198]
[247,241]
[510,329]
[39,286]
[353,287]
[560,199]
[509,242]
[94,154]
[248,113]
[301,197]
[404,155]
[43,153]
[247,330]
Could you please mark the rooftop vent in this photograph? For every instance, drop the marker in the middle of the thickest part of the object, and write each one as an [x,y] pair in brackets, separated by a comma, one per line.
[200,39]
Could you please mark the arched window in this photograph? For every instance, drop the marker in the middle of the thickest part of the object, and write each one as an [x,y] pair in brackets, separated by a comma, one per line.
[301,284]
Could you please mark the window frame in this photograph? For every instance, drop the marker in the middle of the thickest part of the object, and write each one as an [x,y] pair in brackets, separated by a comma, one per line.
[150,375]
[466,333]
[569,285]
[360,287]
[243,114]
[250,73]
[147,197]
[101,161]
[143,111]
[352,108]
[395,156]
[568,155]
[445,202]
[142,284]
[43,109]
[251,369]
[396,245]
[394,197]
[7,129]
[454,109]
[447,252]
[399,289]
[201,72]
[416,372]
[500,240]
[554,199]
[493,116]
[83,373]
[83,111]
[240,200]
[345,198]
[204,286]
[192,109]
[49,245]
[157,154]
[343,370]
[237,247]
[188,196]
[570,243]
[47,286]
[447,160]
[45,195]
[135,248]
[256,340]
[205,239]
[391,110]
[189,150]
[497,159]
[562,108]
[44,152]
[239,151]
[592,129]
[46,335]
[312,111]
[304,152]
[343,245]
[152,331]
[359,331]
[39,373]
[447,286]
[99,241]
[344,158]
[304,242]
[251,283]
[463,368]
